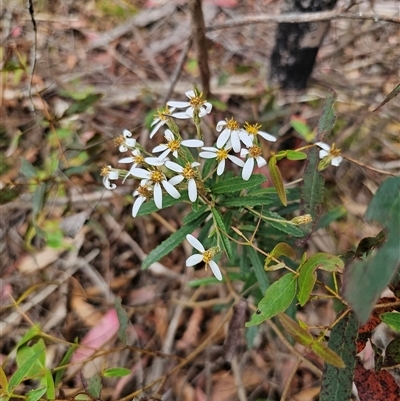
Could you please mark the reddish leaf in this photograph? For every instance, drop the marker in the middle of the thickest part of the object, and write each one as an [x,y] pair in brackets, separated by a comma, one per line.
[373,385]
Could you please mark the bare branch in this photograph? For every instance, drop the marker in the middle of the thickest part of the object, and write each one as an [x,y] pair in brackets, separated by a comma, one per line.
[296,18]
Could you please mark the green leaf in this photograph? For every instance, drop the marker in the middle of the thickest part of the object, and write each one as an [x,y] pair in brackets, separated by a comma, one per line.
[327,354]
[116,372]
[123,320]
[392,319]
[332,215]
[23,371]
[365,280]
[328,118]
[35,395]
[302,128]
[236,184]
[167,201]
[38,198]
[94,386]
[225,242]
[312,188]
[389,97]
[64,361]
[295,155]
[27,169]
[276,179]
[337,382]
[307,269]
[258,269]
[48,380]
[171,242]
[300,335]
[3,379]
[245,201]
[79,106]
[277,299]
[195,214]
[284,226]
[392,354]
[281,249]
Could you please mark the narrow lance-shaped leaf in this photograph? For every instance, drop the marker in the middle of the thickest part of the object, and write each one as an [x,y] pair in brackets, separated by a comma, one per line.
[276,179]
[277,299]
[224,240]
[236,184]
[337,382]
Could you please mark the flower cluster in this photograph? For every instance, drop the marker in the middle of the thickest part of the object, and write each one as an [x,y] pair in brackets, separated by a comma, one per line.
[174,166]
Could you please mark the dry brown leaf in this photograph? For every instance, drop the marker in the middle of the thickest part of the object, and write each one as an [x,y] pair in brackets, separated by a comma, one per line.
[190,336]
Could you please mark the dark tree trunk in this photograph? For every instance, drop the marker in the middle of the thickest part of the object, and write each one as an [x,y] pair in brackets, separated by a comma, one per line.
[296,45]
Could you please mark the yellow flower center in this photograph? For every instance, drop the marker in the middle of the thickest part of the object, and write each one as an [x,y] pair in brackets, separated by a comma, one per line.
[188,172]
[197,101]
[163,114]
[222,154]
[173,145]
[139,159]
[207,256]
[119,140]
[105,170]
[232,124]
[252,129]
[157,176]
[255,151]
[144,191]
[334,151]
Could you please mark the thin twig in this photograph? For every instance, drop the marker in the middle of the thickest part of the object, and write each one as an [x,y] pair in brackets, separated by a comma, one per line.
[200,39]
[377,170]
[286,390]
[295,18]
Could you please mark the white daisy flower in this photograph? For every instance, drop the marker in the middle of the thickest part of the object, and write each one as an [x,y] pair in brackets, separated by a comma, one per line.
[142,192]
[231,130]
[173,145]
[252,153]
[254,130]
[189,173]
[195,106]
[136,159]
[108,173]
[160,119]
[124,141]
[221,155]
[203,256]
[157,178]
[330,152]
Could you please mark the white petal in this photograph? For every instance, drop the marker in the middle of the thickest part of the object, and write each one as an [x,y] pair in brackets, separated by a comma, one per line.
[248,168]
[208,107]
[207,155]
[158,195]
[192,190]
[155,121]
[323,145]
[221,167]
[192,143]
[164,155]
[196,244]
[176,180]
[267,136]
[261,161]
[107,183]
[245,138]
[190,112]
[136,206]
[195,164]
[168,135]
[179,105]
[190,94]
[235,141]
[236,160]
[174,166]
[209,148]
[244,153]
[336,161]
[194,259]
[154,161]
[157,127]
[126,160]
[113,175]
[215,269]
[323,153]
[160,148]
[171,189]
[181,115]
[221,124]
[223,138]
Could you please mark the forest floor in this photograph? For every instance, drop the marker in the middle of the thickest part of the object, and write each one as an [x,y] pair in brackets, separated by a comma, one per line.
[102,67]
